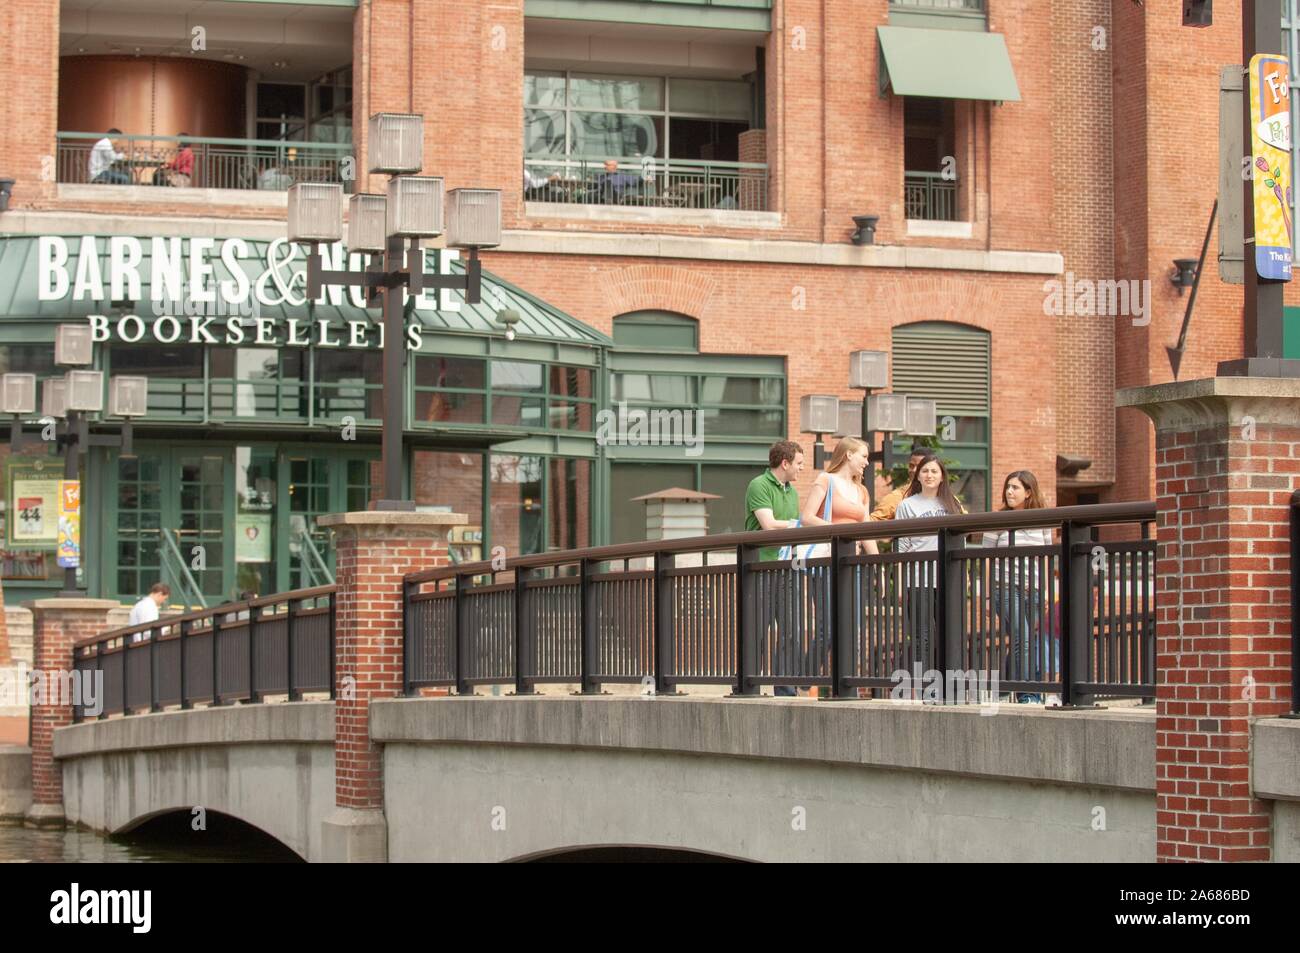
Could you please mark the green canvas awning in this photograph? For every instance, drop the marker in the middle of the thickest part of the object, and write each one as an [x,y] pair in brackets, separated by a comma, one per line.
[946,64]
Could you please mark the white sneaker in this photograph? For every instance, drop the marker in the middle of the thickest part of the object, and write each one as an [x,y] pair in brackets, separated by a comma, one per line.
[1053,701]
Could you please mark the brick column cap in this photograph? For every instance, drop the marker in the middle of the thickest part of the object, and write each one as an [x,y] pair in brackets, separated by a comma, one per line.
[65,604]
[1213,401]
[375,522]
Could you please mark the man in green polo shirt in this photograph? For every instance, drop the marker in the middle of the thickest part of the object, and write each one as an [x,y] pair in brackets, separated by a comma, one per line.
[771,503]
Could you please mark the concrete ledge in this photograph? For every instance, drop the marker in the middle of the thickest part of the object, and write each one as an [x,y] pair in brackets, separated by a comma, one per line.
[350,836]
[15,783]
[649,215]
[29,222]
[771,251]
[1215,401]
[1103,749]
[238,724]
[392,518]
[1275,759]
[152,195]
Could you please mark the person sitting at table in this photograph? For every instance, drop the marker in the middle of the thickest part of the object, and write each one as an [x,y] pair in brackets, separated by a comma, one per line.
[542,187]
[615,186]
[103,157]
[179,172]
[280,176]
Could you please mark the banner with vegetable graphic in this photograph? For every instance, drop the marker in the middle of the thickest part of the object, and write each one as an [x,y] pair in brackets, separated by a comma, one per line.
[1270,110]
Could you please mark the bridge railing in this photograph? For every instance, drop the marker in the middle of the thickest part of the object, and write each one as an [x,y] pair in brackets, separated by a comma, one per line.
[1074,618]
[239,651]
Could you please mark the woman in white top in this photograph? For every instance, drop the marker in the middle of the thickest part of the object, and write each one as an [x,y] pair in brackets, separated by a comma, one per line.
[1017,595]
[929,496]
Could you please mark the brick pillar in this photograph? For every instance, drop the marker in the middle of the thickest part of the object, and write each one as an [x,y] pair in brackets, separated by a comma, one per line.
[59,623]
[374,550]
[753,184]
[1227,462]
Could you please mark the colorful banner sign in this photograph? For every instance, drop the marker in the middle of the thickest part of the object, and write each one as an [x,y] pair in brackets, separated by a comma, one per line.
[69,524]
[1270,111]
[33,511]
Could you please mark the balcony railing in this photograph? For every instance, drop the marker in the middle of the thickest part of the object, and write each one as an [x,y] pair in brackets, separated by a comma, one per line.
[253,164]
[930,197]
[973,6]
[676,183]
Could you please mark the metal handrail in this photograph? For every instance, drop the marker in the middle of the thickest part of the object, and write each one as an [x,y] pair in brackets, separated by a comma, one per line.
[188,588]
[317,568]
[1093,515]
[342,148]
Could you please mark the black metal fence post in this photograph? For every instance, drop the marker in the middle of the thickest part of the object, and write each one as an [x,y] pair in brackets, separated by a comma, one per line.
[290,658]
[1076,592]
[747,623]
[523,633]
[463,686]
[843,625]
[182,631]
[587,628]
[949,615]
[216,660]
[408,690]
[126,707]
[254,616]
[662,637]
[99,667]
[153,669]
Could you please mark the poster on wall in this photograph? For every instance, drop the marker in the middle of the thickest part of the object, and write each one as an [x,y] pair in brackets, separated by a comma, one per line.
[69,550]
[34,508]
[253,537]
[1270,111]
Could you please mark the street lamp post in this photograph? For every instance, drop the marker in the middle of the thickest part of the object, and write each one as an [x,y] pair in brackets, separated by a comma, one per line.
[71,399]
[886,414]
[392,226]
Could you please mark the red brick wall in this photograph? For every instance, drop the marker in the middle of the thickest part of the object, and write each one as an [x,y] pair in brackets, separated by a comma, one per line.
[1223,631]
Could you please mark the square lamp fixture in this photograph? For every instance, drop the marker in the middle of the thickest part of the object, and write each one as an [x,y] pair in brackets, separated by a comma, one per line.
[315,212]
[54,397]
[921,414]
[887,413]
[819,414]
[869,370]
[85,390]
[367,221]
[19,394]
[473,218]
[73,345]
[128,396]
[414,206]
[396,143]
[850,419]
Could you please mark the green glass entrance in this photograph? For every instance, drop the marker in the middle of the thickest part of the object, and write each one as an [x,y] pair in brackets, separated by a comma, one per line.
[217,521]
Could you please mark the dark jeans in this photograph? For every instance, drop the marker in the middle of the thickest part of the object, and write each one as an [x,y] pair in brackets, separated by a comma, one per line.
[797,629]
[112,177]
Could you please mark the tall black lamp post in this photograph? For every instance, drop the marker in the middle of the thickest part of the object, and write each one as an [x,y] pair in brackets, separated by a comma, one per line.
[884,414]
[390,227]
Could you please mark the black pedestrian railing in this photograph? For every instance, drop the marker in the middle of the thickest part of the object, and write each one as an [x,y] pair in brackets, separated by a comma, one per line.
[1075,617]
[240,651]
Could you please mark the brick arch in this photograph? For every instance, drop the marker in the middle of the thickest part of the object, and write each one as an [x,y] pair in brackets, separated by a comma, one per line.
[657,288]
[950,300]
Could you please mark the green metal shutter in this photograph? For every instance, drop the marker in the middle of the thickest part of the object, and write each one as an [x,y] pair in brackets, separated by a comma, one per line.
[949,363]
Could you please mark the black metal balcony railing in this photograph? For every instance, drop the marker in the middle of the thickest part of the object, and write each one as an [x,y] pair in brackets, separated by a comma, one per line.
[255,164]
[240,651]
[1076,618]
[676,183]
[974,6]
[930,197]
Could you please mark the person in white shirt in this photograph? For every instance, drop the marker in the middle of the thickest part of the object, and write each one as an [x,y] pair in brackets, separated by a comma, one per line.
[1017,597]
[146,610]
[102,157]
[929,496]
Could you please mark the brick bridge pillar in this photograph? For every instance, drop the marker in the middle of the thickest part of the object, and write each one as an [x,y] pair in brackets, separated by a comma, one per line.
[58,624]
[1227,462]
[374,550]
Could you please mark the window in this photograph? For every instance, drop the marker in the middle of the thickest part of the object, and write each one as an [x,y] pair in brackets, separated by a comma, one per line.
[950,364]
[930,158]
[657,330]
[348,384]
[175,373]
[520,394]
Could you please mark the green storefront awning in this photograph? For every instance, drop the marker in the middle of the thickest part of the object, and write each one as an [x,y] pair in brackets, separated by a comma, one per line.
[19,299]
[946,64]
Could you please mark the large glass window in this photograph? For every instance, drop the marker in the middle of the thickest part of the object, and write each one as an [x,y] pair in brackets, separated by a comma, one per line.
[175,375]
[520,394]
[452,482]
[257,382]
[349,384]
[516,503]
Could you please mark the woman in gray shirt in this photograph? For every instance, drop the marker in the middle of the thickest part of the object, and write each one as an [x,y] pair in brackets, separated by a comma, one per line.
[928,497]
